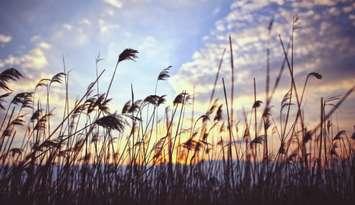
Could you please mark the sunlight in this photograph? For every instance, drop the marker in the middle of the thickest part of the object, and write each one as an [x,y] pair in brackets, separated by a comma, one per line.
[177,102]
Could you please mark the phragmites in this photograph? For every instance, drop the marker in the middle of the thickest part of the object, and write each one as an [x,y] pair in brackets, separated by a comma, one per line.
[41,122]
[50,144]
[339,135]
[155,99]
[128,54]
[135,106]
[267,123]
[292,157]
[24,98]
[89,151]
[219,114]
[15,151]
[161,100]
[212,108]
[18,120]
[182,98]
[315,74]
[271,23]
[192,144]
[7,75]
[164,74]
[246,134]
[257,103]
[333,150]
[307,136]
[152,99]
[2,99]
[78,110]
[112,121]
[57,78]
[126,107]
[42,83]
[205,118]
[98,102]
[282,149]
[286,100]
[258,140]
[98,58]
[267,112]
[36,115]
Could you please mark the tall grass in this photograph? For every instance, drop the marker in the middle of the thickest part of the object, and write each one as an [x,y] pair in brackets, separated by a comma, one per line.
[150,155]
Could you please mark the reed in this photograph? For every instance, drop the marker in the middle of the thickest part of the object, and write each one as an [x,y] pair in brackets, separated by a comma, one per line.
[152,153]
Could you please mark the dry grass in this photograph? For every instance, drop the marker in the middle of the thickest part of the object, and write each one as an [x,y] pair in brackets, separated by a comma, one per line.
[147,155]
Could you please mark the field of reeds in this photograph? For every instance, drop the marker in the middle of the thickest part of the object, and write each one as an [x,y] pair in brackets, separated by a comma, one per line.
[152,153]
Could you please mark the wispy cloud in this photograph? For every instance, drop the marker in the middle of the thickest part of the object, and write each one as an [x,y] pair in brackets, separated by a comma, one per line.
[192,34]
[34,59]
[322,45]
[114,3]
[4,39]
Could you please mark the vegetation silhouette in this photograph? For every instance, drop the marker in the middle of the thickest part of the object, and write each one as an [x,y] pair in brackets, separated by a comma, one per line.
[147,155]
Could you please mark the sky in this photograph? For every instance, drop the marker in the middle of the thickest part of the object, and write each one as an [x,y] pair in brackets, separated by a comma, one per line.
[35,36]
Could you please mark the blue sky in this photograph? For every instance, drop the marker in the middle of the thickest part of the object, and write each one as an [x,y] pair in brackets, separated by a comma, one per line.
[189,35]
[165,33]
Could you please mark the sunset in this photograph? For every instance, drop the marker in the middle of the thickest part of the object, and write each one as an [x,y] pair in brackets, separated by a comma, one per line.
[177,102]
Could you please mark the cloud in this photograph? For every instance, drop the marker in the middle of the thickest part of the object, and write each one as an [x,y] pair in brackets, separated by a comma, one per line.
[114,3]
[34,59]
[67,27]
[85,21]
[326,2]
[321,45]
[75,34]
[105,27]
[4,39]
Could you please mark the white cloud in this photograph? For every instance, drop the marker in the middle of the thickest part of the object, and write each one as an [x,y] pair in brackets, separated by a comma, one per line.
[216,11]
[334,11]
[326,2]
[316,44]
[44,45]
[67,27]
[114,3]
[85,21]
[105,26]
[78,33]
[33,59]
[4,39]
[347,9]
[35,38]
